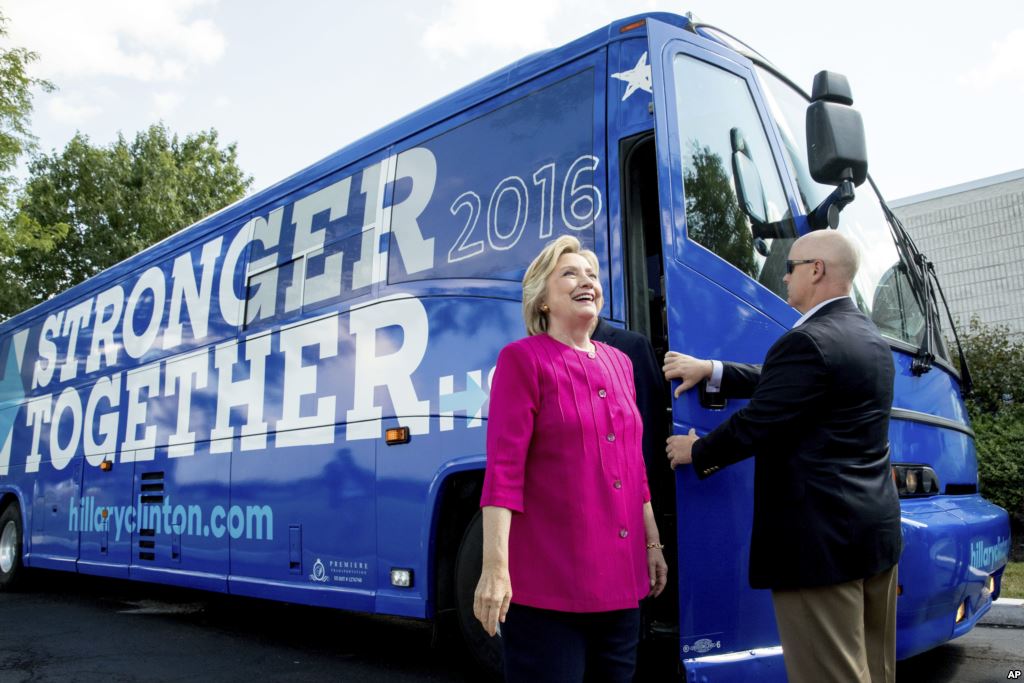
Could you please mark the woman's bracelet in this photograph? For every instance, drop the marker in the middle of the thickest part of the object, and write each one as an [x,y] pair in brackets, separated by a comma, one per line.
[655,546]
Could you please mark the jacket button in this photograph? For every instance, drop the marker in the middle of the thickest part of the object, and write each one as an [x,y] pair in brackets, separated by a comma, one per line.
[617,484]
[602,393]
[610,437]
[623,533]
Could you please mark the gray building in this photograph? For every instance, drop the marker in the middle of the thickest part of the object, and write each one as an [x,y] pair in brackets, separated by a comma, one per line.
[974,234]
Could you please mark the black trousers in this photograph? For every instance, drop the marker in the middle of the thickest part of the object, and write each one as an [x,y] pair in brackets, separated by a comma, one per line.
[546,645]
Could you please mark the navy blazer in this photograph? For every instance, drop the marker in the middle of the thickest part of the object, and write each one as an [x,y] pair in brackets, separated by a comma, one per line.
[651,389]
[826,510]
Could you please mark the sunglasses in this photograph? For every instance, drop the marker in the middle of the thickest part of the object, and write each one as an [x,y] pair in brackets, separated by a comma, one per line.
[791,263]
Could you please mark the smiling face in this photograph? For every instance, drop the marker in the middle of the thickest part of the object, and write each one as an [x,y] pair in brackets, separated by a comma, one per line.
[573,292]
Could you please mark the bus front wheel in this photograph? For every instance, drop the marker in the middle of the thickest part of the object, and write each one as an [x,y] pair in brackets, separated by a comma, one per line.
[486,650]
[10,547]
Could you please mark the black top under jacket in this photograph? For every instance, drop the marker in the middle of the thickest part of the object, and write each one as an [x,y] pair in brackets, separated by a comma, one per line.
[652,400]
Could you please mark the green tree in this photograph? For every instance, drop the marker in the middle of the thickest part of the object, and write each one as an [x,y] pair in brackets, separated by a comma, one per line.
[713,214]
[16,140]
[996,408]
[1000,445]
[996,359]
[111,202]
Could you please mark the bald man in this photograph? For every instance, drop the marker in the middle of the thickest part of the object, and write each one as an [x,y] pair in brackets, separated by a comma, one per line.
[826,532]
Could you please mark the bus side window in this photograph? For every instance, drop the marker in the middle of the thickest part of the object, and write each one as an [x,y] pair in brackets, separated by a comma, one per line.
[330,272]
[265,292]
[327,276]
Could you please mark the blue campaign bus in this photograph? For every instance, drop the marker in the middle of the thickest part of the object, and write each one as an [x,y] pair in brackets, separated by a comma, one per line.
[288,399]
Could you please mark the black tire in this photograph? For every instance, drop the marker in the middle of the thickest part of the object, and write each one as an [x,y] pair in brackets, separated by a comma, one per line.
[468,564]
[11,539]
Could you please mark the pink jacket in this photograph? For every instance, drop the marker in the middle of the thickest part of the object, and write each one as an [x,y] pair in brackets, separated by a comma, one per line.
[564,454]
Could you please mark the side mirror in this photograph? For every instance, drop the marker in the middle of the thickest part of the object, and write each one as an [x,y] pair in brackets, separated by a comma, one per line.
[836,152]
[835,133]
[749,189]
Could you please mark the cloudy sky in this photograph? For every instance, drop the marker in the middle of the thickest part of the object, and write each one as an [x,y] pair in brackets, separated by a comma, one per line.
[940,84]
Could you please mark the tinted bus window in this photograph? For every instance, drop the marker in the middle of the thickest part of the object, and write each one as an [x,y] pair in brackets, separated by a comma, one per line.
[506,183]
[713,103]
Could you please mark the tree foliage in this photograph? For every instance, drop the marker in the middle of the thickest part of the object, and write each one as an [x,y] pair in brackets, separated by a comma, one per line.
[111,202]
[713,214]
[996,359]
[16,140]
[1000,444]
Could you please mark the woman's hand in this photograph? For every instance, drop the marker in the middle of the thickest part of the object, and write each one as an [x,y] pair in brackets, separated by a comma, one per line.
[657,569]
[494,589]
[492,597]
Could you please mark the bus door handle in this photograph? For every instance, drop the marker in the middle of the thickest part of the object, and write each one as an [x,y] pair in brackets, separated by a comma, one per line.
[712,400]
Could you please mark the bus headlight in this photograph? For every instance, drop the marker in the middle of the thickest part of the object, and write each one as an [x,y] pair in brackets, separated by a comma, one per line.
[910,481]
[913,481]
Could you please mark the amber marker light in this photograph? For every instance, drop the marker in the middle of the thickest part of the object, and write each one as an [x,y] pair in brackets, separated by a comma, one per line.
[961,611]
[396,435]
[106,466]
[634,25]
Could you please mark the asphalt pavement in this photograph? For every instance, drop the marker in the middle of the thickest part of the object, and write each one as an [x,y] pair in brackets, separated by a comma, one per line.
[1005,613]
[74,628]
[992,651]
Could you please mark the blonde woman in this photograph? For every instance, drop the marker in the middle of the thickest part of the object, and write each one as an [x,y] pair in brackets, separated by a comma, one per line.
[570,541]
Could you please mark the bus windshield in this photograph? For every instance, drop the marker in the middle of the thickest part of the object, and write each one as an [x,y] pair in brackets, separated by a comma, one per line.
[881,289]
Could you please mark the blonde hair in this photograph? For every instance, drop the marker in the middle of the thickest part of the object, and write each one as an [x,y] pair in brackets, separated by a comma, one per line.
[535,282]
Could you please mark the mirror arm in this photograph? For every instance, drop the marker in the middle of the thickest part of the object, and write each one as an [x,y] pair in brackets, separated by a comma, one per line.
[774,230]
[826,214]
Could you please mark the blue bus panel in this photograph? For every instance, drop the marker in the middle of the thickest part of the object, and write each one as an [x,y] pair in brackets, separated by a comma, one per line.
[212,412]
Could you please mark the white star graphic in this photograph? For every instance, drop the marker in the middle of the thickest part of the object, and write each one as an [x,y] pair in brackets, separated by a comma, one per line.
[637,78]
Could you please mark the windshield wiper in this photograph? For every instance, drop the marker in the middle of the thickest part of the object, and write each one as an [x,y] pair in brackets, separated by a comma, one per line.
[921,274]
[966,383]
[917,275]
[924,358]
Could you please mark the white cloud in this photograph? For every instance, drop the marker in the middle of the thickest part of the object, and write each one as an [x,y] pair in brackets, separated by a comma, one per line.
[468,25]
[164,103]
[65,111]
[150,40]
[464,27]
[1006,65]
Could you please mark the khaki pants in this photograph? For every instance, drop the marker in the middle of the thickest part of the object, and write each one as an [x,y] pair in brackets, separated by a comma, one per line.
[840,633]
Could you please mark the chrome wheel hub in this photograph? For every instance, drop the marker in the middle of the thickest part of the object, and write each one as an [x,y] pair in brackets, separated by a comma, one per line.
[8,546]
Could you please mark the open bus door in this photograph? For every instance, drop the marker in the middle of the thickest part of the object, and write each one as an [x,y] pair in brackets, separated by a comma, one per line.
[724,299]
